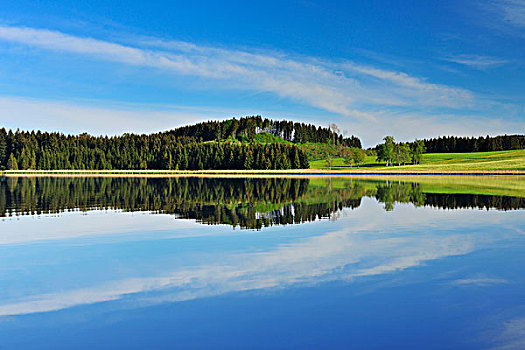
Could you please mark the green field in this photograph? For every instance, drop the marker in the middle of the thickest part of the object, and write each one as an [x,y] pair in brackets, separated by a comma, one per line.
[436,162]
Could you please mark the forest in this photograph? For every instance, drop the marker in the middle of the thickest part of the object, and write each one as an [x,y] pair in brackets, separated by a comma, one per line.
[176,150]
[229,144]
[455,144]
[247,128]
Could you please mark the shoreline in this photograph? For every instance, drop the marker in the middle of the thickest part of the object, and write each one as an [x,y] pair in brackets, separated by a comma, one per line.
[251,173]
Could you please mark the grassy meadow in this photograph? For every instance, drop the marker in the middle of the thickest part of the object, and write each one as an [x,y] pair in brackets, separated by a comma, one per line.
[441,162]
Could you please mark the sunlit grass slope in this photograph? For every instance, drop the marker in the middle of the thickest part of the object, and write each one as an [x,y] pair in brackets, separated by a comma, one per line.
[501,160]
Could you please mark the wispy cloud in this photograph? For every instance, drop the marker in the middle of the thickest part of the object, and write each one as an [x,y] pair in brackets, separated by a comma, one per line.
[512,11]
[506,16]
[477,61]
[338,87]
[512,335]
[479,282]
[367,100]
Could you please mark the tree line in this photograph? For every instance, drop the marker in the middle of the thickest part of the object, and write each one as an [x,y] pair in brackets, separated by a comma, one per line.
[455,144]
[393,153]
[48,151]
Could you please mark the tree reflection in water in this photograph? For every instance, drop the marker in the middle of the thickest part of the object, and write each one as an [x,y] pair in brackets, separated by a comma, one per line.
[251,203]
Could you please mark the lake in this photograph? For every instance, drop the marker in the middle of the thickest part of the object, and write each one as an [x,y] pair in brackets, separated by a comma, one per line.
[262,263]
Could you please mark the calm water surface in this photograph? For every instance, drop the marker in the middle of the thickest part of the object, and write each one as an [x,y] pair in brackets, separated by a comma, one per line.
[195,263]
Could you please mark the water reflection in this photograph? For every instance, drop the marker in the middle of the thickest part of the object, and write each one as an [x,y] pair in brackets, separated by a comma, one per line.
[394,263]
[248,203]
[365,242]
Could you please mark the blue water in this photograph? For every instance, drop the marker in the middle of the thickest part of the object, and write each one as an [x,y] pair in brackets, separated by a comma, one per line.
[410,278]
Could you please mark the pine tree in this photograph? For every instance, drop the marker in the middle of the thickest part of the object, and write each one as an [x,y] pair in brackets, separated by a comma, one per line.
[248,160]
[3,149]
[25,161]
[12,164]
[296,159]
[33,161]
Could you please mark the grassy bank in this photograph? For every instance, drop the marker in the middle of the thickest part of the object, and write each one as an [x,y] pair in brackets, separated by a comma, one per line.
[442,162]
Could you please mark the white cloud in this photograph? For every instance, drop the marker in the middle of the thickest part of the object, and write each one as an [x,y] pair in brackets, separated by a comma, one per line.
[335,87]
[368,101]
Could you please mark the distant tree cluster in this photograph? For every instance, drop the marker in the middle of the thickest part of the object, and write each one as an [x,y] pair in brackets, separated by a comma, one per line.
[246,128]
[354,155]
[47,151]
[401,153]
[454,144]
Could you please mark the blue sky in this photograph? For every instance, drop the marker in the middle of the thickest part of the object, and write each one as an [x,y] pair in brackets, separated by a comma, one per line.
[410,69]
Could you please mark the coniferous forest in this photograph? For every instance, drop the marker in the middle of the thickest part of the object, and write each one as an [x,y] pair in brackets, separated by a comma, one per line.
[49,151]
[455,144]
[228,144]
